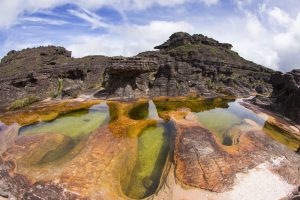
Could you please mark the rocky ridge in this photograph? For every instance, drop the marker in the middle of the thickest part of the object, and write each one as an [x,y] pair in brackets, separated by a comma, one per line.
[184,65]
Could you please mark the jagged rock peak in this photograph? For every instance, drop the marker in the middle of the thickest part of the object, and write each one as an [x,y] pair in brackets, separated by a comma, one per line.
[41,51]
[182,38]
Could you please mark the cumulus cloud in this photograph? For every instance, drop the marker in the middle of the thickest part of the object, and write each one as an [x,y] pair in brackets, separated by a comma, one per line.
[265,33]
[278,16]
[287,44]
[126,40]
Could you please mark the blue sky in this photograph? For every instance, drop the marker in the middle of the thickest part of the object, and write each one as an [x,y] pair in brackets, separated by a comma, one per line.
[264,31]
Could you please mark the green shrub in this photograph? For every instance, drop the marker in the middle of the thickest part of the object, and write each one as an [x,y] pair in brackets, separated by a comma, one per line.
[20,103]
[210,84]
[59,87]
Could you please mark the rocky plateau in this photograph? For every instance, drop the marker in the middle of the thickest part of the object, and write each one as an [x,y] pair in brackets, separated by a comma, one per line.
[186,64]
[165,125]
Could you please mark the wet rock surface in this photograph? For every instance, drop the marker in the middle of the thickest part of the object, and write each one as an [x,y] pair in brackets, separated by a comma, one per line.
[102,164]
[202,162]
[45,165]
[184,65]
[80,178]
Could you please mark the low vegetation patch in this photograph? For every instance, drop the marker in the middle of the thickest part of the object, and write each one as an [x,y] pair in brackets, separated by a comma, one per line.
[20,103]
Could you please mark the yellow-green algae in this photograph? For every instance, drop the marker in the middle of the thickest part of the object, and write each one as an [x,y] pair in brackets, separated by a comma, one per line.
[45,111]
[152,154]
[75,124]
[139,112]
[224,117]
[218,121]
[64,134]
[194,104]
[281,136]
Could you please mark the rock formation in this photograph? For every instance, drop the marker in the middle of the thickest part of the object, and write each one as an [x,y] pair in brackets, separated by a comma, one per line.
[285,98]
[184,65]
[38,73]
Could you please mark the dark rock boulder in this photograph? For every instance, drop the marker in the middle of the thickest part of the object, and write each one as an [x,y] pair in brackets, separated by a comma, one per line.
[285,98]
[287,93]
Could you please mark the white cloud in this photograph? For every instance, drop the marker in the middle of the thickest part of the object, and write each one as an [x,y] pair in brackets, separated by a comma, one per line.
[42,20]
[278,16]
[287,44]
[210,2]
[242,3]
[126,40]
[10,10]
[248,37]
[95,20]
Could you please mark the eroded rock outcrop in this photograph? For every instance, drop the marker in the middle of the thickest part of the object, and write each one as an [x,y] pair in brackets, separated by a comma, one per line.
[36,74]
[188,65]
[184,65]
[285,98]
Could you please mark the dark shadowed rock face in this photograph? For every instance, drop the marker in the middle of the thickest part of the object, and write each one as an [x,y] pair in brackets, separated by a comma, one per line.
[287,93]
[285,98]
[184,65]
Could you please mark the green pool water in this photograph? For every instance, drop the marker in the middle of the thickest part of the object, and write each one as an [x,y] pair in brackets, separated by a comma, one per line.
[226,119]
[218,121]
[75,124]
[152,154]
[228,123]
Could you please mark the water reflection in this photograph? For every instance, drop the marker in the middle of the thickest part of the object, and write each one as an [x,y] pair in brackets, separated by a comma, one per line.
[75,124]
[152,111]
[228,123]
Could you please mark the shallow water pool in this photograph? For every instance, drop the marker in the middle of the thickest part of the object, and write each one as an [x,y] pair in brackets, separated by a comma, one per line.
[75,124]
